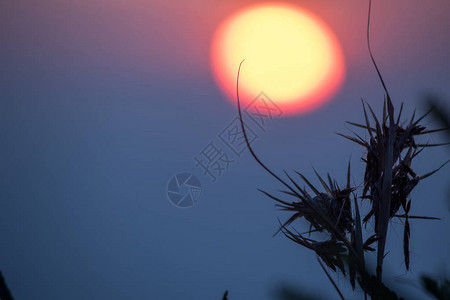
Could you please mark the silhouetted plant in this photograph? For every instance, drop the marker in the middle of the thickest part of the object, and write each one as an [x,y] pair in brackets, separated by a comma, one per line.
[439,112]
[439,289]
[286,292]
[336,231]
[5,294]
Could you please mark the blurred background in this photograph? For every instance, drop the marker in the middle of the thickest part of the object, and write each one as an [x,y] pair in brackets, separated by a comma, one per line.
[102,102]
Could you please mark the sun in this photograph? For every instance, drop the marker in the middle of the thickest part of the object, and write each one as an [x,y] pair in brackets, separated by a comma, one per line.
[290,55]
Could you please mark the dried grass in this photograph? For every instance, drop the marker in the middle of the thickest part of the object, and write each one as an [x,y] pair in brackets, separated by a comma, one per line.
[336,231]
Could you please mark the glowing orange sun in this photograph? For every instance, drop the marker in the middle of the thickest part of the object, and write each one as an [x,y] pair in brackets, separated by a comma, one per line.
[290,55]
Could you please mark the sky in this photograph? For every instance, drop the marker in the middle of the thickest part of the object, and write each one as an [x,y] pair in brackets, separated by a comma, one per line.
[103,102]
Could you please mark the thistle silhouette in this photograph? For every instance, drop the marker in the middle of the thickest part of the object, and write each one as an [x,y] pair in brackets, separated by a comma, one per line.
[388,181]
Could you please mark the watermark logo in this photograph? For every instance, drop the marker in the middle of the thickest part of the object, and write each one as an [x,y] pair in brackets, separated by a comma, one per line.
[262,109]
[224,150]
[184,190]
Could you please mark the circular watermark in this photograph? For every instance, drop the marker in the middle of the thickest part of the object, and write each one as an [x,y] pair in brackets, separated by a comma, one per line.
[184,190]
